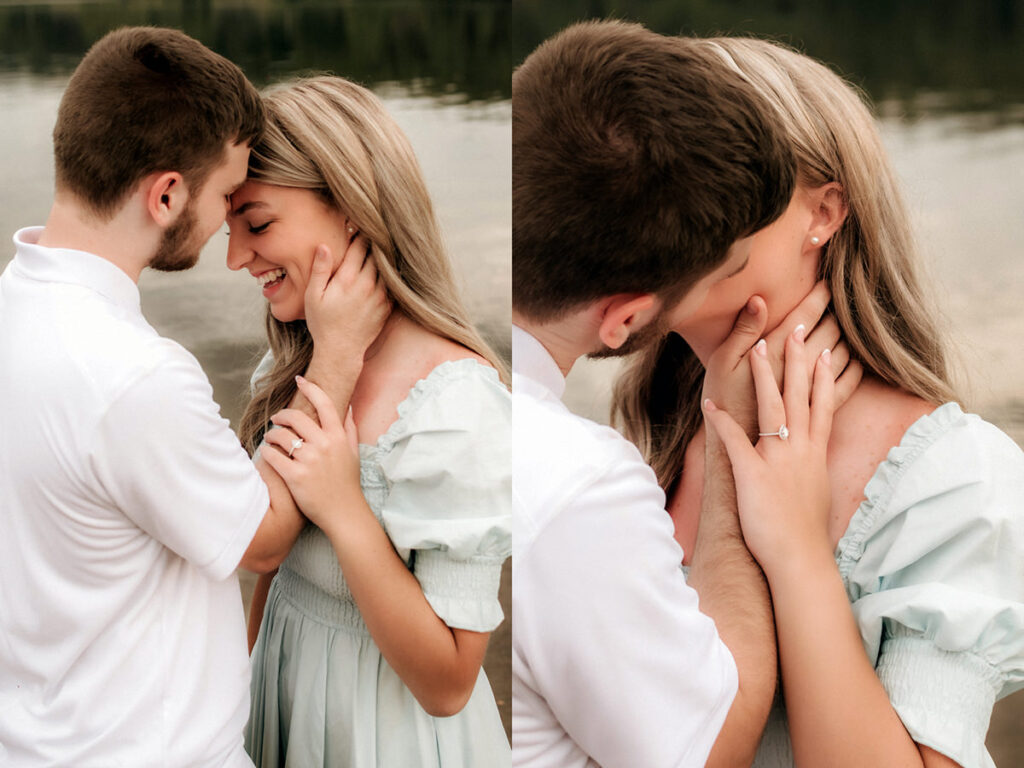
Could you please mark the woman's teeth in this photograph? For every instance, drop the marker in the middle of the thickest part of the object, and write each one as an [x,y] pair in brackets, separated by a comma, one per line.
[269,277]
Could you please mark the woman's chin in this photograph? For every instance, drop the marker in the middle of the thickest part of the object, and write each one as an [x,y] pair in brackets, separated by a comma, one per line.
[286,314]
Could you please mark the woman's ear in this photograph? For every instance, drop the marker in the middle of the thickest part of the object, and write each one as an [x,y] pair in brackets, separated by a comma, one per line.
[624,314]
[828,212]
[166,197]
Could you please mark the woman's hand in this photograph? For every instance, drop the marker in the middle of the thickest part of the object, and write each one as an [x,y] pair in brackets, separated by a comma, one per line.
[318,462]
[782,485]
[346,304]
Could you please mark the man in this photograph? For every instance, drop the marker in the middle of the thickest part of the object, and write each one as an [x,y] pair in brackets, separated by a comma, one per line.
[127,501]
[640,169]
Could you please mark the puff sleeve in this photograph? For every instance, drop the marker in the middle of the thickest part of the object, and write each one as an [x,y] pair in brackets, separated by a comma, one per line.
[448,508]
[933,562]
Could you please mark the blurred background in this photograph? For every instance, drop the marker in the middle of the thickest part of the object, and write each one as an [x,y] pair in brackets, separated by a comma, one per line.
[947,82]
[442,70]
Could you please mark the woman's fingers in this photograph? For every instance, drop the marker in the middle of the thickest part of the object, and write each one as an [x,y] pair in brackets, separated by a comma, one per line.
[770,411]
[807,313]
[283,439]
[298,422]
[822,400]
[326,413]
[796,390]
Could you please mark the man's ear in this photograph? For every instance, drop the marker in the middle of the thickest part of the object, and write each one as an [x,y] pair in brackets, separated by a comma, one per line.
[828,212]
[623,314]
[166,197]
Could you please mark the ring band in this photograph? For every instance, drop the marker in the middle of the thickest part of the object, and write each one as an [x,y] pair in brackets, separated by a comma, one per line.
[296,444]
[782,434]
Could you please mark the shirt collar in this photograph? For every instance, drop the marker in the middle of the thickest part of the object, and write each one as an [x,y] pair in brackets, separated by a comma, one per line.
[531,360]
[66,265]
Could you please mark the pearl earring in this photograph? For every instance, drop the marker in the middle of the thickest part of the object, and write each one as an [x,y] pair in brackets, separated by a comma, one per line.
[815,240]
[350,229]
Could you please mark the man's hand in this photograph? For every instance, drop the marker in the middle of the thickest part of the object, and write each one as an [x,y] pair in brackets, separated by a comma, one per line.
[728,381]
[346,305]
[782,483]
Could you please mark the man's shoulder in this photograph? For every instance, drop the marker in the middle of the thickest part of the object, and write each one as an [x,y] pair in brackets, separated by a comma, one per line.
[564,462]
[549,434]
[99,348]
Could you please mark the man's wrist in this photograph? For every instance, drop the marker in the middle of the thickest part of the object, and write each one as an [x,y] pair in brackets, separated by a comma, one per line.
[336,375]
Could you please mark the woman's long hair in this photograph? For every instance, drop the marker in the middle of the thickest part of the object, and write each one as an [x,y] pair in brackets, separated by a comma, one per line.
[870,263]
[334,137]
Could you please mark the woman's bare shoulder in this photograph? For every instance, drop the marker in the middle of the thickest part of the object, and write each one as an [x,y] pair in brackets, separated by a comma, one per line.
[871,422]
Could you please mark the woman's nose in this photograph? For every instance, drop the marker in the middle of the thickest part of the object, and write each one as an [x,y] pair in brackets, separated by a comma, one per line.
[238,254]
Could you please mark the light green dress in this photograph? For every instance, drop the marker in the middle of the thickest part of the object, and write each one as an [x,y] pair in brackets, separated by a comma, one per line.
[439,482]
[933,564]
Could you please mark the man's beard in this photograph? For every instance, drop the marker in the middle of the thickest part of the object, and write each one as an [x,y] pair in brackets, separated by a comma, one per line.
[177,251]
[650,333]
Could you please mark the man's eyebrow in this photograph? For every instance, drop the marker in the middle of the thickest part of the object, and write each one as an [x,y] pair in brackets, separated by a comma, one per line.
[246,206]
[740,268]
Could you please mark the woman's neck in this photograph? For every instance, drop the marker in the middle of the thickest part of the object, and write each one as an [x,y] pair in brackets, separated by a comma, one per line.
[396,319]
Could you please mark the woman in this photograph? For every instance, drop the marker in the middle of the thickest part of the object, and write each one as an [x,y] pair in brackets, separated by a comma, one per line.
[921,532]
[370,647]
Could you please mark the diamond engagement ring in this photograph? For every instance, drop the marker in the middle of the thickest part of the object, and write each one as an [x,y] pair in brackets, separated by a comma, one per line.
[782,434]
[297,443]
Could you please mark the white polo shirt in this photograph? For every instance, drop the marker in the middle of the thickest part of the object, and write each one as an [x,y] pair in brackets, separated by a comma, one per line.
[126,503]
[613,664]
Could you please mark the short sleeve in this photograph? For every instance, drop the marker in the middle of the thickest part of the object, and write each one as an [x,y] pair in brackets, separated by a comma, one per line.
[170,462]
[935,571]
[448,465]
[263,368]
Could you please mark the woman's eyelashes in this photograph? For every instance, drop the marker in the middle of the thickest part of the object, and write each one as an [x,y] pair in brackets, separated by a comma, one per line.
[259,230]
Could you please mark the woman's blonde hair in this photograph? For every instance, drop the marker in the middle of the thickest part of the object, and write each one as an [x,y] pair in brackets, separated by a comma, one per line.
[870,262]
[335,138]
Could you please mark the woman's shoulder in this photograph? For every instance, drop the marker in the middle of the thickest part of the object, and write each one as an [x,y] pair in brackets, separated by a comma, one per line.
[416,367]
[951,476]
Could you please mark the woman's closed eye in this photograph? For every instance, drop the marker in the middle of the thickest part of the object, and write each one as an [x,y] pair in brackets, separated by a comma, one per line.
[259,230]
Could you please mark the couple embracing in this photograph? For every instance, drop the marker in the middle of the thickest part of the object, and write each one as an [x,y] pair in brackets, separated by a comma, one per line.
[371,475]
[800,490]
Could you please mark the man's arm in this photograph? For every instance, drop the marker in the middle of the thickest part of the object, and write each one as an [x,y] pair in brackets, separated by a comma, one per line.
[346,308]
[731,586]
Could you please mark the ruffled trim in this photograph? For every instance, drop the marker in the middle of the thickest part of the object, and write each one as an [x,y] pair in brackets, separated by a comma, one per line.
[944,698]
[463,593]
[918,438]
[433,383]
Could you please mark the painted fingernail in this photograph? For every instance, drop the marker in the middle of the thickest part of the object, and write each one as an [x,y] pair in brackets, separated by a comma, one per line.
[799,332]
[761,348]
[709,406]
[826,355]
[752,306]
[299,380]
[321,252]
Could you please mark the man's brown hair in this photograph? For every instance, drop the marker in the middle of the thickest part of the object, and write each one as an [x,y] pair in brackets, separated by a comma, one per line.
[146,99]
[637,161]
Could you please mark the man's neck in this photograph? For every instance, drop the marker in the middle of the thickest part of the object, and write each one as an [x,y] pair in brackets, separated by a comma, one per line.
[566,340]
[123,240]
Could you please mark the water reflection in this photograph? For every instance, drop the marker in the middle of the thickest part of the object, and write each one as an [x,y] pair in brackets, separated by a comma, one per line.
[460,49]
[921,57]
